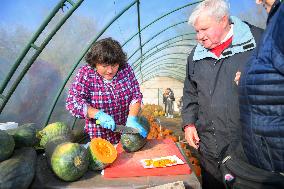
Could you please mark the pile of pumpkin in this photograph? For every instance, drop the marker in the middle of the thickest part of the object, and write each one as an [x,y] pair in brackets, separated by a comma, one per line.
[152,110]
[193,160]
[157,131]
[58,143]
[18,156]
[67,159]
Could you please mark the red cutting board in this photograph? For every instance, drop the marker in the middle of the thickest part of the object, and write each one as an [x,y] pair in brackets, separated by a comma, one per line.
[128,164]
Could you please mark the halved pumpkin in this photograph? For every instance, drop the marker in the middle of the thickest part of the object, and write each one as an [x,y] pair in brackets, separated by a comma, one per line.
[102,153]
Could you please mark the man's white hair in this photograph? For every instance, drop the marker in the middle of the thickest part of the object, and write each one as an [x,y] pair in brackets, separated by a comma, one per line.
[214,8]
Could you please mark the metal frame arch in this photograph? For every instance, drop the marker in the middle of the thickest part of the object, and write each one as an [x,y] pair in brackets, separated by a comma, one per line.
[164,48]
[165,65]
[162,63]
[160,32]
[165,41]
[60,91]
[82,56]
[38,49]
[157,58]
[158,51]
[164,74]
[85,50]
[174,53]
[32,41]
[135,62]
[166,59]
[187,5]
[149,65]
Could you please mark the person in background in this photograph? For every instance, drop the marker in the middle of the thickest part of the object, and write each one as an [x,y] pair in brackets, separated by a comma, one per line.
[105,89]
[170,102]
[179,105]
[210,114]
[165,96]
[261,88]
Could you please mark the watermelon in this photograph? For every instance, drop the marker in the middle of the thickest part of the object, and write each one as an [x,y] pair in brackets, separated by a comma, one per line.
[7,145]
[24,135]
[18,171]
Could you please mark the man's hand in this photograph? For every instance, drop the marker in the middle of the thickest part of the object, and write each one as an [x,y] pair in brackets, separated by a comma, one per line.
[106,121]
[191,136]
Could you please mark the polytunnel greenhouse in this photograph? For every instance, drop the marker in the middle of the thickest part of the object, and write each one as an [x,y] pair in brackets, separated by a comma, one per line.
[43,45]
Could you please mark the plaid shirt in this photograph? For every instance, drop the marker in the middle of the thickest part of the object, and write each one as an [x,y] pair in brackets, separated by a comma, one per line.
[114,98]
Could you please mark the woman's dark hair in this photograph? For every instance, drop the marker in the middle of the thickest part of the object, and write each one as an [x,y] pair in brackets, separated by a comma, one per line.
[106,51]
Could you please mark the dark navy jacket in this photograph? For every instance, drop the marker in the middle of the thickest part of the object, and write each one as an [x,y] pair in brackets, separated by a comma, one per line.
[262,97]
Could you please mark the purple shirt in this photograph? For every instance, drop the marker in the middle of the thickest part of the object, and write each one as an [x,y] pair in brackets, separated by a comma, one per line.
[114,98]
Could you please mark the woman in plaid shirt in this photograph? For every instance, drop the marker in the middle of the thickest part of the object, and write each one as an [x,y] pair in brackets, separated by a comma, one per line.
[106,89]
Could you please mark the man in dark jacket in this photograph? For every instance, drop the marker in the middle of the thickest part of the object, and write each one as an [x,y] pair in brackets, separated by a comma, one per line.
[262,95]
[210,98]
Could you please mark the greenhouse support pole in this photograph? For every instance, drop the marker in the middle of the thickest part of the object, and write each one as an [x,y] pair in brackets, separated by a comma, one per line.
[34,57]
[29,45]
[140,43]
[189,4]
[81,57]
[160,32]
[163,48]
[158,96]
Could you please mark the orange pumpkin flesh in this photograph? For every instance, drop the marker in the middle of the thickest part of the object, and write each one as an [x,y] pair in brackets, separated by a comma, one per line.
[103,150]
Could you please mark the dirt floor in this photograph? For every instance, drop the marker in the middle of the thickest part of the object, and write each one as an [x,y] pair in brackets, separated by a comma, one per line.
[172,123]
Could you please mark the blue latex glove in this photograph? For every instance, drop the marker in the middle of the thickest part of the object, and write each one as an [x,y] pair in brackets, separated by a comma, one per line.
[105,120]
[132,121]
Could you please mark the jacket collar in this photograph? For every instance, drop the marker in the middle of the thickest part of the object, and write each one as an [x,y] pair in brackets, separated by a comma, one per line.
[243,40]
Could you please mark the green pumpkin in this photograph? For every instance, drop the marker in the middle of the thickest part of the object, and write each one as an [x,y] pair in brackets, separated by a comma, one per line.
[69,161]
[132,142]
[52,130]
[7,145]
[24,135]
[52,144]
[19,170]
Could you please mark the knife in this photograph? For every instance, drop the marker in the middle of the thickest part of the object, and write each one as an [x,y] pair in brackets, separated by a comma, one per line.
[125,129]
[122,129]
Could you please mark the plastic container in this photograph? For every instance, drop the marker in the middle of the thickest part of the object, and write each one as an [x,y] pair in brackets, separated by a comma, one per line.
[8,125]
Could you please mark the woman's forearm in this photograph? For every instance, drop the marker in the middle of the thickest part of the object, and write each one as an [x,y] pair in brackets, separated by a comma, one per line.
[134,109]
